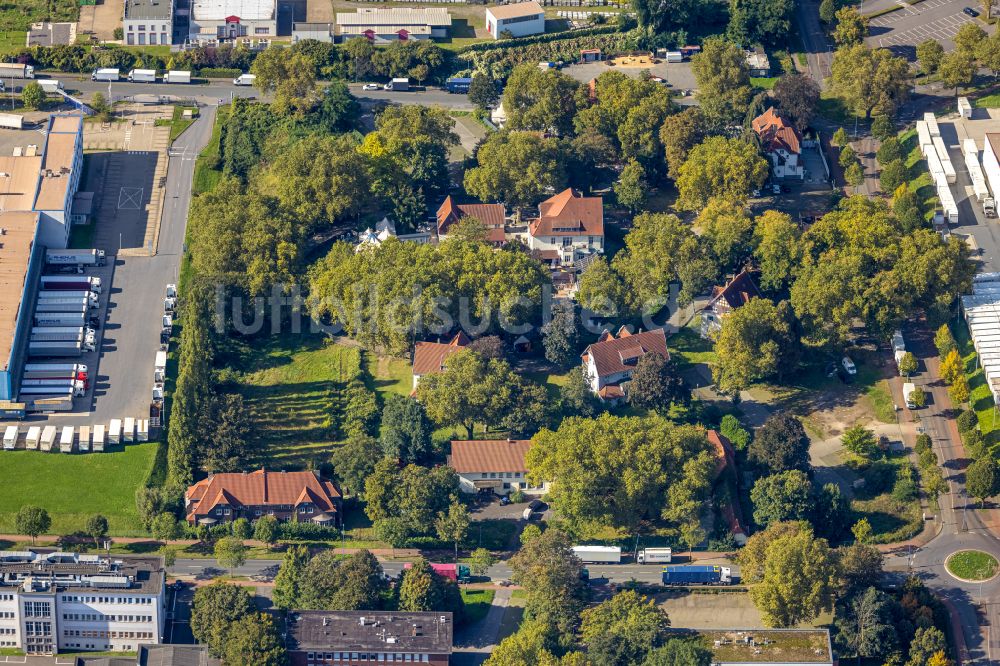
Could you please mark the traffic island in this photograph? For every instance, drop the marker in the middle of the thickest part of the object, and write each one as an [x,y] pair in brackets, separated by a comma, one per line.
[971,566]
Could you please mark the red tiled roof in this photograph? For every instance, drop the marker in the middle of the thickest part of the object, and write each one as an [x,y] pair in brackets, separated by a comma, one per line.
[735,294]
[491,215]
[489,455]
[569,214]
[429,357]
[609,353]
[611,392]
[262,488]
[777,133]
[723,451]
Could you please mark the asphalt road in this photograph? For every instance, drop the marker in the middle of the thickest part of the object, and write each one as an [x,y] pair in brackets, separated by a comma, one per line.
[818,50]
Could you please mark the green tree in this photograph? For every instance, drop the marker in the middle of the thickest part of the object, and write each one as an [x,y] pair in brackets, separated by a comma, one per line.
[944,340]
[405,432]
[240,528]
[561,336]
[866,626]
[329,583]
[957,69]
[860,565]
[32,96]
[601,290]
[918,397]
[969,37]
[854,175]
[622,630]
[727,231]
[96,528]
[720,167]
[889,151]
[630,188]
[929,55]
[760,22]
[756,341]
[832,511]
[882,128]
[870,80]
[778,249]
[516,167]
[797,94]
[893,175]
[982,479]
[927,641]
[576,397]
[216,608]
[483,92]
[231,553]
[166,528]
[733,430]
[723,79]
[149,503]
[32,520]
[265,529]
[780,444]
[549,572]
[228,422]
[420,589]
[679,134]
[840,138]
[862,531]
[799,580]
[781,497]
[291,79]
[532,644]
[860,441]
[847,156]
[453,525]
[288,581]
[413,495]
[679,652]
[538,100]
[656,384]
[828,11]
[852,27]
[959,390]
[753,555]
[254,639]
[480,560]
[355,460]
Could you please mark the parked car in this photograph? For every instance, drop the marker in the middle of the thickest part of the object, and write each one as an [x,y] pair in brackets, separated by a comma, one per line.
[370,86]
[504,501]
[849,366]
[971,12]
[776,188]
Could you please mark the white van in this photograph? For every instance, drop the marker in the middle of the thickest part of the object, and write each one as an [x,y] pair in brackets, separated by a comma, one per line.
[244,80]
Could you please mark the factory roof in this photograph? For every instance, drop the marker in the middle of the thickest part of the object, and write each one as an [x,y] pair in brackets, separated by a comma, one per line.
[57,161]
[425,633]
[149,9]
[19,182]
[378,17]
[246,10]
[17,235]
[503,12]
[59,572]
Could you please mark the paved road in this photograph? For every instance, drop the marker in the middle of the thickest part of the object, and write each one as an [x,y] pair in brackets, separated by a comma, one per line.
[814,41]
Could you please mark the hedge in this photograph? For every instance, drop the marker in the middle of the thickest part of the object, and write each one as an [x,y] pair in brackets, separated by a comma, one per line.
[219,73]
[479,47]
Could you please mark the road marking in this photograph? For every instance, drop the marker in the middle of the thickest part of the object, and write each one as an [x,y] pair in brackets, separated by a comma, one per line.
[130,198]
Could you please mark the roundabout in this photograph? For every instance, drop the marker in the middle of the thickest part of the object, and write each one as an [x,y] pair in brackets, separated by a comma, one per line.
[971,566]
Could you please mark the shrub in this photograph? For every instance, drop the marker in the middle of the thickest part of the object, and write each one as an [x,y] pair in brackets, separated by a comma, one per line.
[294,531]
[924,443]
[905,488]
[928,459]
[880,477]
[517,497]
[975,444]
[219,73]
[967,421]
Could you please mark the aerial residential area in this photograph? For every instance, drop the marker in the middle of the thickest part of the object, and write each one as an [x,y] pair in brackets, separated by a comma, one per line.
[557,332]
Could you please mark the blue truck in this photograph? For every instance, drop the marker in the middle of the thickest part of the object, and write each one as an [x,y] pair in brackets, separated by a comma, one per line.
[697,575]
[458,85]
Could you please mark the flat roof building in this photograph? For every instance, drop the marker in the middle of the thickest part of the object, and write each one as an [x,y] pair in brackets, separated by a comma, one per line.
[228,20]
[51,34]
[520,20]
[148,22]
[381,25]
[353,637]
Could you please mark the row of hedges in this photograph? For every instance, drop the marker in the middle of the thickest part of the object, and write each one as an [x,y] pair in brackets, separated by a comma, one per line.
[538,39]
[498,62]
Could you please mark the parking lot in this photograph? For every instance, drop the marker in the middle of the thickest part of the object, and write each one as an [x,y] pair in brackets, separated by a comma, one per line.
[901,30]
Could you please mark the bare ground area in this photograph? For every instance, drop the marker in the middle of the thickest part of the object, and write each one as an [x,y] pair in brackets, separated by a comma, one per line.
[100,19]
[319,11]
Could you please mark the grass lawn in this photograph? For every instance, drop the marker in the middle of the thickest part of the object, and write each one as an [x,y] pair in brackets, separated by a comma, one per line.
[980,397]
[477,604]
[73,487]
[972,565]
[178,123]
[689,347]
[919,179]
[12,40]
[881,401]
[764,83]
[205,176]
[19,15]
[891,520]
[391,374]
[288,384]
[835,109]
[987,101]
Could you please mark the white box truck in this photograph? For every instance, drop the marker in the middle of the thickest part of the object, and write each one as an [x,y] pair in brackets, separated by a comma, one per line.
[50,85]
[10,438]
[34,434]
[142,434]
[75,258]
[106,74]
[11,121]
[66,440]
[97,440]
[128,429]
[177,76]
[160,367]
[48,437]
[598,554]
[245,80]
[70,283]
[115,431]
[674,56]
[15,70]
[84,438]
[142,76]
[398,84]
[653,556]
[908,389]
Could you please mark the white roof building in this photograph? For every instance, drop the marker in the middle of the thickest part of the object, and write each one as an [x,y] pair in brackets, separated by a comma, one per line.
[382,24]
[229,20]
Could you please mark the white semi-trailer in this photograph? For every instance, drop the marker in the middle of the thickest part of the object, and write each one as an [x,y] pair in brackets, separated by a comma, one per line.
[598,554]
[177,76]
[654,556]
[75,257]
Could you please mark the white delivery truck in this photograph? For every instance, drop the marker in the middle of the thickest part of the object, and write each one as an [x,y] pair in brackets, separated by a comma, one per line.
[177,76]
[142,76]
[115,431]
[128,431]
[48,437]
[143,431]
[66,440]
[11,121]
[653,556]
[598,554]
[34,434]
[84,438]
[160,367]
[908,389]
[675,56]
[106,74]
[398,84]
[97,440]
[15,70]
[245,80]
[50,85]
[10,438]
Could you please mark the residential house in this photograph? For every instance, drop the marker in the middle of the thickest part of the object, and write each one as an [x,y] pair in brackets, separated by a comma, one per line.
[71,602]
[304,496]
[385,230]
[384,25]
[493,466]
[350,638]
[430,357]
[735,294]
[608,363]
[782,142]
[492,217]
[520,19]
[760,66]
[569,224]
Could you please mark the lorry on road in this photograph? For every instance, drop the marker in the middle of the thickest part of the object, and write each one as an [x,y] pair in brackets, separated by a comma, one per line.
[456,572]
[458,85]
[142,76]
[106,74]
[908,389]
[399,84]
[16,70]
[11,121]
[70,283]
[50,85]
[245,80]
[75,258]
[653,555]
[177,76]
[598,554]
[989,207]
[697,575]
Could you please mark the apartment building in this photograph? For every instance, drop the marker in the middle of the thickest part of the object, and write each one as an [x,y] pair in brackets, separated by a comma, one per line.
[68,602]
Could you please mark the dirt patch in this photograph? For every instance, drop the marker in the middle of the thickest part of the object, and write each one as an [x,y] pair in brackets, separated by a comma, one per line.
[709,611]
[319,11]
[100,20]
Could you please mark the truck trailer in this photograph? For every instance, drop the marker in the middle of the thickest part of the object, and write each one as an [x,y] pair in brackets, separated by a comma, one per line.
[57,367]
[48,437]
[66,440]
[50,298]
[697,575]
[10,435]
[59,319]
[75,258]
[142,76]
[177,76]
[50,85]
[11,121]
[458,85]
[16,70]
[399,84]
[598,554]
[83,441]
[97,440]
[70,283]
[653,555]
[55,349]
[106,74]
[72,389]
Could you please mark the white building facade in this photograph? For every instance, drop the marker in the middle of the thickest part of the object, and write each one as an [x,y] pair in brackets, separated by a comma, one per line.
[148,22]
[215,21]
[495,466]
[521,19]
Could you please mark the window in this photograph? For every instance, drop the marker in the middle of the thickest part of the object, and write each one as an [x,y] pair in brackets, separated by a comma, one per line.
[260,31]
[152,38]
[131,39]
[163,38]
[493,475]
[142,28]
